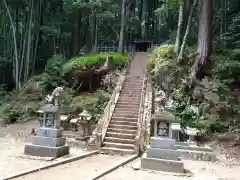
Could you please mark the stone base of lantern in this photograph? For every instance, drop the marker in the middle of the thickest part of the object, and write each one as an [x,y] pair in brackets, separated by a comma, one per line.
[161,164]
[47,143]
[163,153]
[49,132]
[46,151]
[162,156]
[161,142]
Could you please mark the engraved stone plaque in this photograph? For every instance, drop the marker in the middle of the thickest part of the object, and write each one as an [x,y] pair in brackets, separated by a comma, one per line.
[49,122]
[163,128]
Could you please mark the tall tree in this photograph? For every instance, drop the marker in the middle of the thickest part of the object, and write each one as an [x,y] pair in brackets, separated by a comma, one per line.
[184,42]
[179,29]
[204,39]
[122,27]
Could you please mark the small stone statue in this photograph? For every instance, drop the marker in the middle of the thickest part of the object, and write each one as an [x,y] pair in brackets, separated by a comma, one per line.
[54,97]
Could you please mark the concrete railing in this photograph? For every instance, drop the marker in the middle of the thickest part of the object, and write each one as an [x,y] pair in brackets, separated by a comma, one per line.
[140,116]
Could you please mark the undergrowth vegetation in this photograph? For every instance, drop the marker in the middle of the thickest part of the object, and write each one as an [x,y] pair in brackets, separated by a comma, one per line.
[212,104]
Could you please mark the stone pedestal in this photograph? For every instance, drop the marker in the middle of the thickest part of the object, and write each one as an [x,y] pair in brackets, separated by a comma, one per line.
[162,155]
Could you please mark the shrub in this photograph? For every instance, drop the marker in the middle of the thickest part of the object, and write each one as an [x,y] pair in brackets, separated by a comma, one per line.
[94,104]
[81,72]
[101,57]
[18,111]
[160,54]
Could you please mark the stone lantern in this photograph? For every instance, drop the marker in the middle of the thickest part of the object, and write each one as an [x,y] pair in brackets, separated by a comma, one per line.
[40,119]
[48,141]
[163,124]
[84,123]
[192,133]
[176,129]
[161,154]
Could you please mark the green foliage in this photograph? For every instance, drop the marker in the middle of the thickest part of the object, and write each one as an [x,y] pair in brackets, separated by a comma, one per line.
[212,104]
[160,55]
[232,36]
[67,97]
[117,58]
[3,93]
[18,111]
[94,104]
[81,69]
[52,74]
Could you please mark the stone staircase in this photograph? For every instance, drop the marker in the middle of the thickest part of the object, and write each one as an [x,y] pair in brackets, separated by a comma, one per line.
[121,132]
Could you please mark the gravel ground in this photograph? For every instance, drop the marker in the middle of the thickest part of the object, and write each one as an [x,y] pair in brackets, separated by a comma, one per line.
[12,140]
[12,159]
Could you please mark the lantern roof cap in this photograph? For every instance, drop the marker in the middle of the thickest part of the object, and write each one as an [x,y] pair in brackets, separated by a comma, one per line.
[50,108]
[164,116]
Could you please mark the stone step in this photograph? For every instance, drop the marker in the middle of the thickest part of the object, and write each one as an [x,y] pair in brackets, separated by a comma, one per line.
[130,107]
[130,89]
[124,123]
[118,145]
[127,127]
[126,101]
[194,148]
[132,81]
[131,96]
[119,140]
[126,108]
[120,135]
[127,105]
[198,155]
[130,114]
[129,99]
[162,164]
[126,112]
[158,153]
[115,151]
[121,118]
[133,86]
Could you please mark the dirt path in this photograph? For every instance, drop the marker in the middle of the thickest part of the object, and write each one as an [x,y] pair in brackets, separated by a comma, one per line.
[78,170]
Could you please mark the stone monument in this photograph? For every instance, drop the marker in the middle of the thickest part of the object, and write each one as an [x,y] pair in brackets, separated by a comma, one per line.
[49,141]
[161,154]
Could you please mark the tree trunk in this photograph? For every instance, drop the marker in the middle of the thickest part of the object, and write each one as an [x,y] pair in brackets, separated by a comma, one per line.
[27,63]
[121,36]
[16,74]
[184,42]
[204,39]
[180,21]
[75,32]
